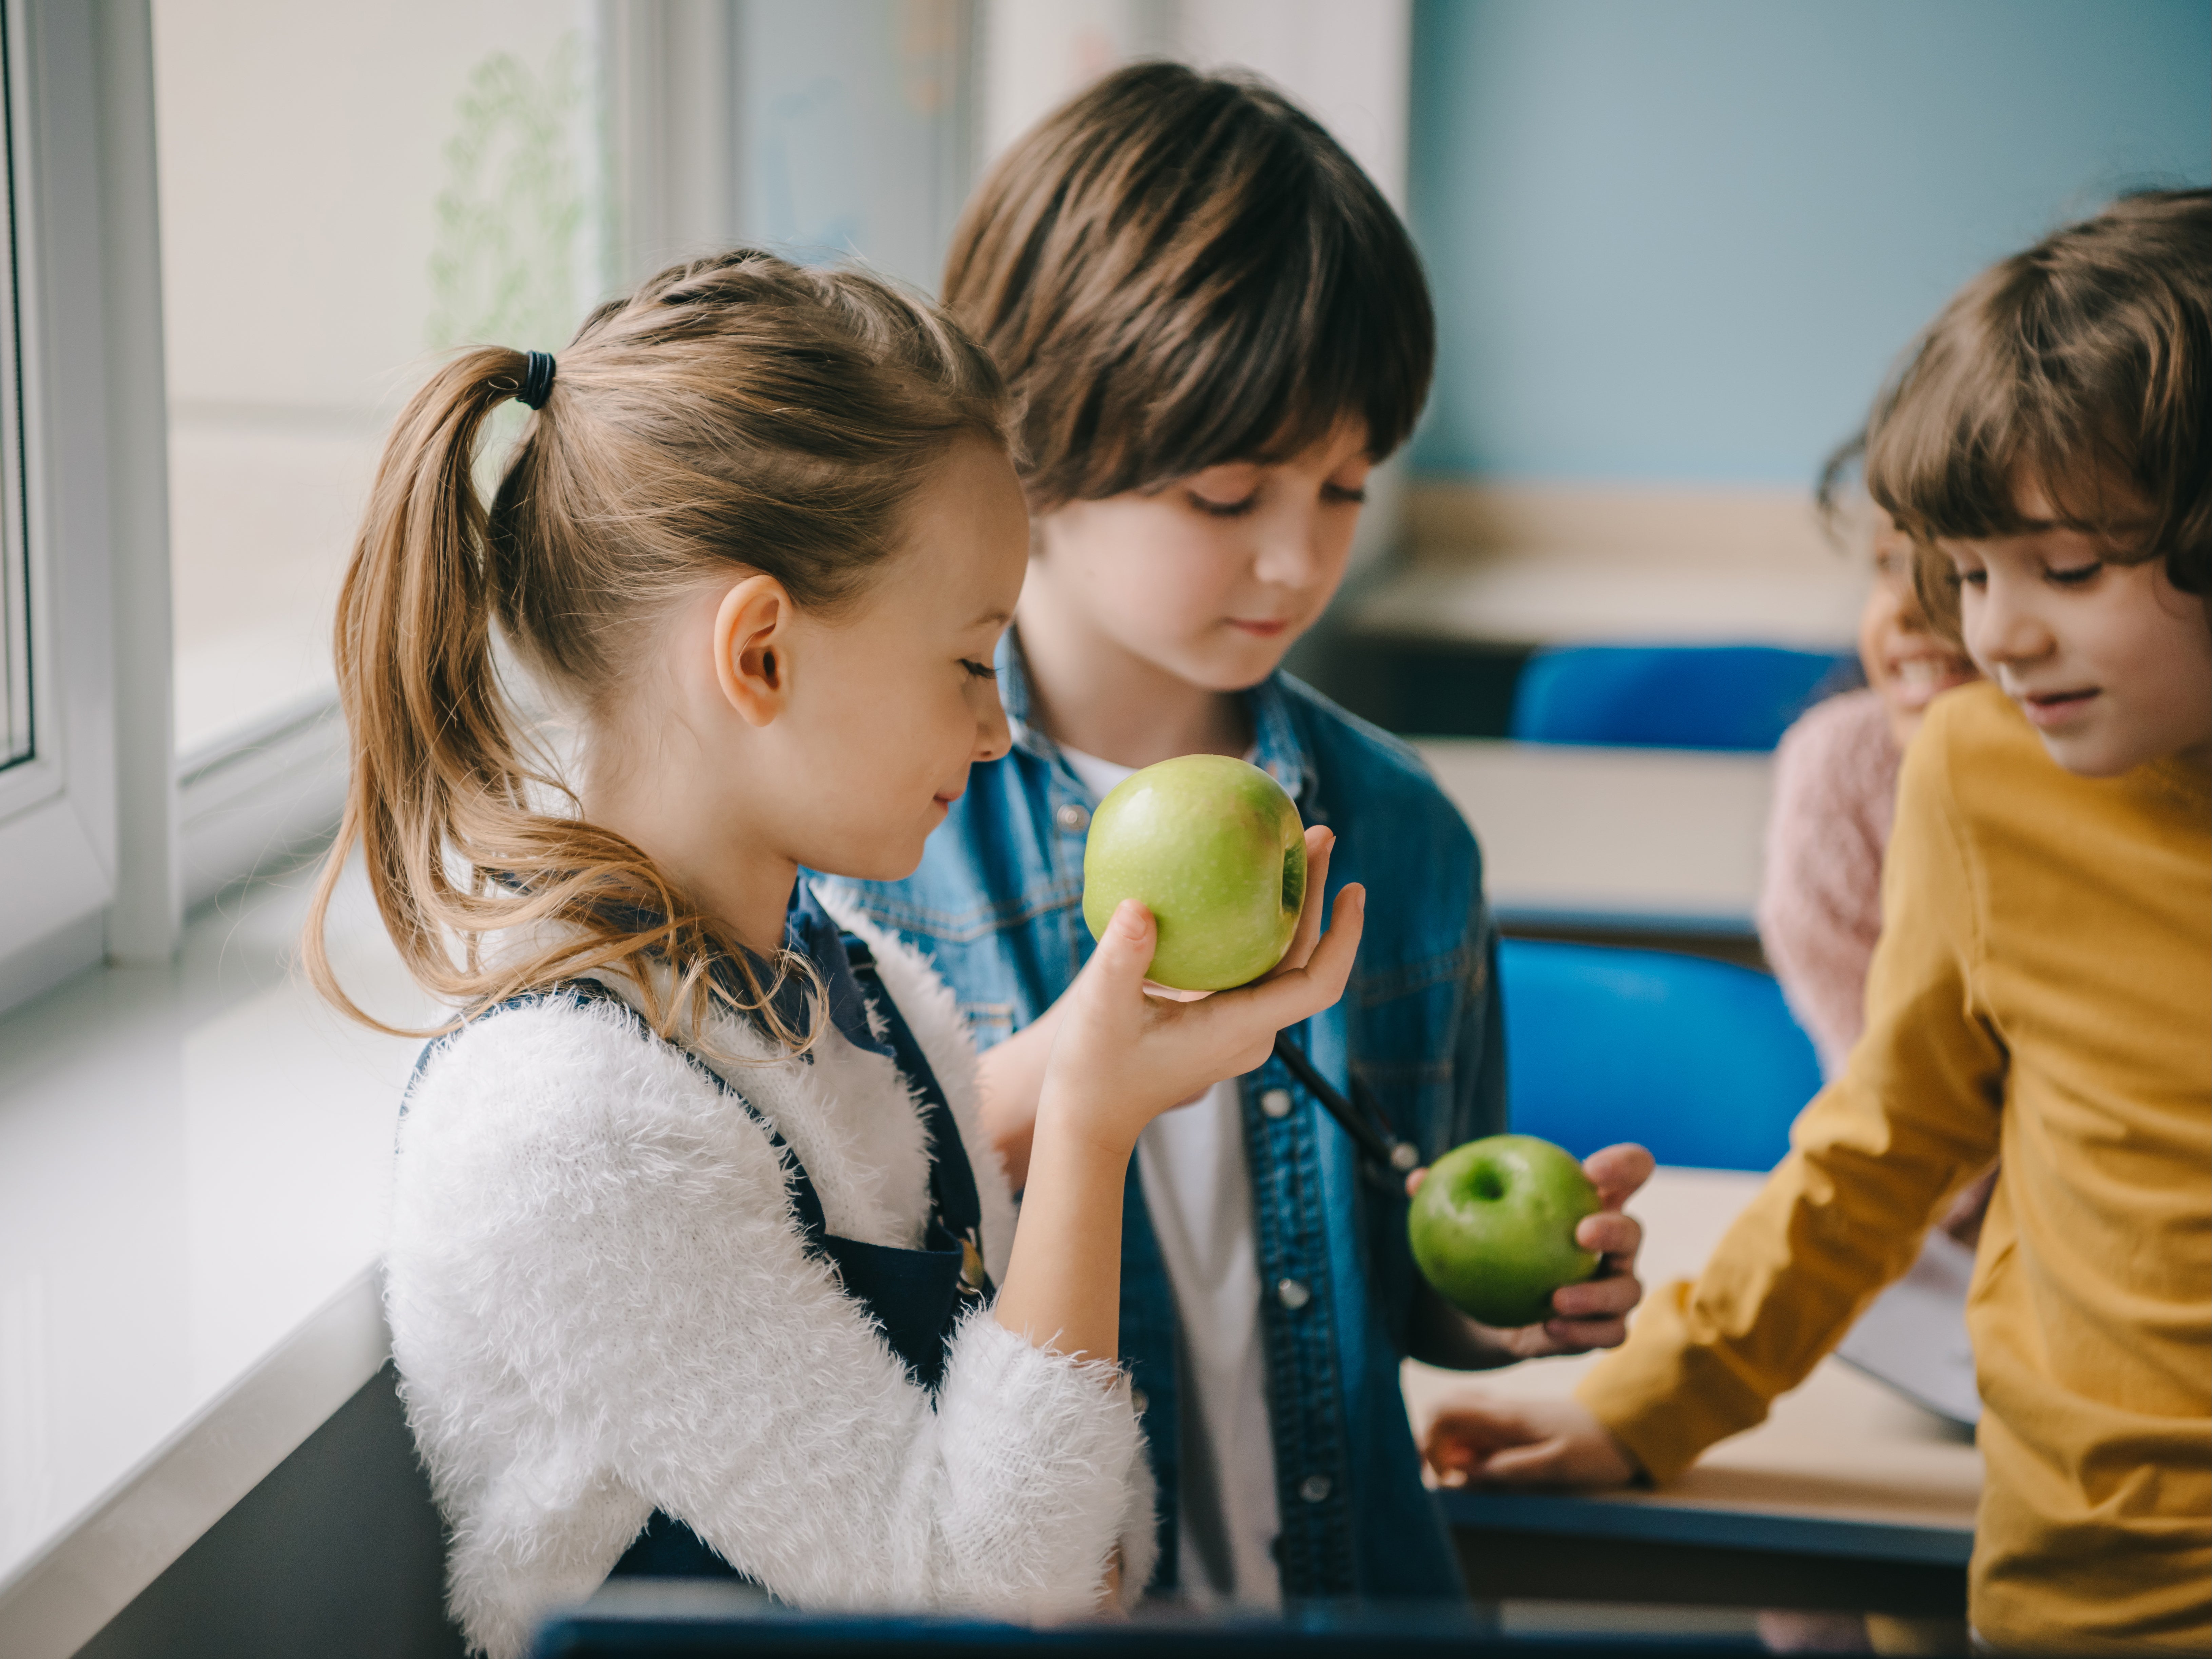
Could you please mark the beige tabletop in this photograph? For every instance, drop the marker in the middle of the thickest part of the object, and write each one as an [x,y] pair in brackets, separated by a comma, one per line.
[1641,838]
[1544,596]
[1842,1465]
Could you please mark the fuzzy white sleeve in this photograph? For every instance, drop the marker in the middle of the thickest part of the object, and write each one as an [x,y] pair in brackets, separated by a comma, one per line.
[601,1303]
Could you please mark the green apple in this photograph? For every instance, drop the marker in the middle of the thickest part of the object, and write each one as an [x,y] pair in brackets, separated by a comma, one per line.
[1215,850]
[1494,1227]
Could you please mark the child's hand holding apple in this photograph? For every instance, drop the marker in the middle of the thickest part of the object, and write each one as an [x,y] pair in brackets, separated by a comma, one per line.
[1525,1235]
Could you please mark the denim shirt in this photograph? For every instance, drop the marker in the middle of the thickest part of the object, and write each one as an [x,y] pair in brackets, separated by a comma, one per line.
[998,904]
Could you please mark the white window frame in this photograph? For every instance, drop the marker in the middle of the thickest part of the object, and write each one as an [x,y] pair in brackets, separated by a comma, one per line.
[107,835]
[63,867]
[105,839]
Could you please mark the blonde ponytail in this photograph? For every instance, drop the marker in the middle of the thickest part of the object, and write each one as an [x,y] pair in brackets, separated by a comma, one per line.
[733,413]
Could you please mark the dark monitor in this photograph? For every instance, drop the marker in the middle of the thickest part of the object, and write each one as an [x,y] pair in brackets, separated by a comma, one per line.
[700,1620]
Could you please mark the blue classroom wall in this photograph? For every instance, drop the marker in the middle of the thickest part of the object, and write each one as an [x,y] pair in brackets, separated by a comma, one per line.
[1682,239]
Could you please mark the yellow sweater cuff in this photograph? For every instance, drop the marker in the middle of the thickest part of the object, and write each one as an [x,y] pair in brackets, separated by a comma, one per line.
[1665,1397]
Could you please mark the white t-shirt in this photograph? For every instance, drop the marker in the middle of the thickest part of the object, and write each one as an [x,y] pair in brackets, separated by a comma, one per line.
[1198,1188]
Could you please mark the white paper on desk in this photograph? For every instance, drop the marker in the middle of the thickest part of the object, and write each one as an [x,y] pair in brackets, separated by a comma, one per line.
[1914,1335]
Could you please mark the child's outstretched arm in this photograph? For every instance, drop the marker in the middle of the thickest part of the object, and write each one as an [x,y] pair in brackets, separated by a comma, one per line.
[1914,1116]
[1119,1058]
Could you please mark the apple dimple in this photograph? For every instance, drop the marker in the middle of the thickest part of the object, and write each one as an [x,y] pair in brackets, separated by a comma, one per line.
[1492,1227]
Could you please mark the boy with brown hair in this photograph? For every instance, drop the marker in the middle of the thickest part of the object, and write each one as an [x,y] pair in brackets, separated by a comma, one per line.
[2042,984]
[1218,326]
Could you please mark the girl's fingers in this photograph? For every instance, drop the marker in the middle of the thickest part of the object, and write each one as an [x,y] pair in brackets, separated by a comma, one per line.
[1319,844]
[1295,994]
[1125,949]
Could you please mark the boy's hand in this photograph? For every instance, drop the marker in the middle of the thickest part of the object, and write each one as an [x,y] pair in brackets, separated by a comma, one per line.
[1593,1313]
[1480,1440]
[1009,1076]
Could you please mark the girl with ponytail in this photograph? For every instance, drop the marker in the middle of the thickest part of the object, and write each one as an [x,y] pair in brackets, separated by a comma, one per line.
[699,1262]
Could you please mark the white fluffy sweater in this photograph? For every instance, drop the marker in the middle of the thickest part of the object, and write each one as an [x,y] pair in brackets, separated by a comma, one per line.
[602,1305]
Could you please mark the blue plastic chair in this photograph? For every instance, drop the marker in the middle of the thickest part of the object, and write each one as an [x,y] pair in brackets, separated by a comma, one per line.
[1706,696]
[1698,1060]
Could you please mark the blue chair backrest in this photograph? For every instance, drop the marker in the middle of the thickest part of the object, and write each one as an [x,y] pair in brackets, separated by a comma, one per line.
[1698,1060]
[1665,696]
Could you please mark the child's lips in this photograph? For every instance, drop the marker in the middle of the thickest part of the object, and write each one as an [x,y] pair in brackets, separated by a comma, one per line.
[1265,630]
[2048,709]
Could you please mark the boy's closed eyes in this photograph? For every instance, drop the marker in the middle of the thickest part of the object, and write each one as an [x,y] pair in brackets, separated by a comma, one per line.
[1209,579]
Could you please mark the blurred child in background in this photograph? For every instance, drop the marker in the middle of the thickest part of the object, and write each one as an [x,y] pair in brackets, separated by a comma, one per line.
[2042,976]
[1835,796]
[1835,792]
[1218,326]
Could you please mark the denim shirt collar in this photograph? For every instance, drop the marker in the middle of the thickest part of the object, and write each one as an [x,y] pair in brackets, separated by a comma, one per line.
[809,932]
[1277,750]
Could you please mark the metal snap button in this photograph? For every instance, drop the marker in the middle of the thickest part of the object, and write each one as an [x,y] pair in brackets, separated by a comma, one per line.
[1276,1102]
[1293,1295]
[1315,1488]
[1070,818]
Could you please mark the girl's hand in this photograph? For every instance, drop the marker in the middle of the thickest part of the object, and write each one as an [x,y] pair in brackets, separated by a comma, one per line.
[1593,1313]
[1480,1440]
[1123,1055]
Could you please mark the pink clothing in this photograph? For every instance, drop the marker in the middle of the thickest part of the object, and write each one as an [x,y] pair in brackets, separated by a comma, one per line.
[1819,903]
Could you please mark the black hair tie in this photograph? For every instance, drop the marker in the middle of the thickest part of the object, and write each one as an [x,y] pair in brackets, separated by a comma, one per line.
[537,381]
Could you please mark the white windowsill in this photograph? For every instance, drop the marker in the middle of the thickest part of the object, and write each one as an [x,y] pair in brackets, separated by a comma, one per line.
[194,1168]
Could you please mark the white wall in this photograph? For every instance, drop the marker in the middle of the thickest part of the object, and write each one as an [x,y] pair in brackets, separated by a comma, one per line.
[1347,61]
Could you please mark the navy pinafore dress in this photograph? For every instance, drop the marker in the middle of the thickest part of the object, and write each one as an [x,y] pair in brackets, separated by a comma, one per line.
[915,1297]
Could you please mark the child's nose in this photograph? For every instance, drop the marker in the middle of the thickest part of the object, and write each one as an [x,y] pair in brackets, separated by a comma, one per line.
[993,736]
[2007,630]
[1290,554]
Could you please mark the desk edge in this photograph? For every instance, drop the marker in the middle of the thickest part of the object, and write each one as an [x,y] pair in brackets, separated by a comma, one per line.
[1656,1521]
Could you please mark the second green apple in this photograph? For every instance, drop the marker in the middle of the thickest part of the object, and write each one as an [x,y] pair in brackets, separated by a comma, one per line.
[1215,848]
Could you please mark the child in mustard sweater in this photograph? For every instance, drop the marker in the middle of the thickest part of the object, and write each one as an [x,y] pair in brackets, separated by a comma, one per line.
[2042,981]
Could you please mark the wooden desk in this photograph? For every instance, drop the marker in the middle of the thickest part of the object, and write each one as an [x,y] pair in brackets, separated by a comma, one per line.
[1545,595]
[1644,840]
[1843,1467]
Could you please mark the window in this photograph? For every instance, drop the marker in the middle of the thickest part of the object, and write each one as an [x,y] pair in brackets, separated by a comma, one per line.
[856,129]
[345,194]
[238,232]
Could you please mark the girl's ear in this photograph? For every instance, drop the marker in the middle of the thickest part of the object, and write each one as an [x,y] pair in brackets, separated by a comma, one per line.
[752,638]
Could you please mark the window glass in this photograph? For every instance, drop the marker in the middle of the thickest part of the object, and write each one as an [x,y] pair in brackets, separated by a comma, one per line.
[346,192]
[856,125]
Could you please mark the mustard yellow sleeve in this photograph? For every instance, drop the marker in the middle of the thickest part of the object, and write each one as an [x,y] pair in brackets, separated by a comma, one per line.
[1913,1116]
